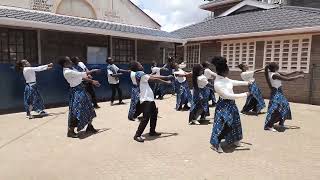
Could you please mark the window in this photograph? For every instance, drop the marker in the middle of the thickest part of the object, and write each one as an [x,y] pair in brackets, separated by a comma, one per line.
[291,53]
[17,44]
[97,55]
[192,55]
[123,50]
[238,52]
[165,53]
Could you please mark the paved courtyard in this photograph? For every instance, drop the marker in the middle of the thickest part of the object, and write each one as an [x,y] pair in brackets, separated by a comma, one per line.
[39,150]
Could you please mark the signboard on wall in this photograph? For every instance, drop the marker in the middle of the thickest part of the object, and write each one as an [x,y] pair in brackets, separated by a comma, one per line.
[97,55]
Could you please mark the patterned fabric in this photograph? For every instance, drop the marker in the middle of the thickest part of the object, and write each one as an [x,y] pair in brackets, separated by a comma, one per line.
[135,93]
[212,96]
[200,102]
[278,103]
[139,75]
[32,98]
[184,94]
[110,67]
[158,89]
[80,107]
[257,95]
[226,117]
[78,68]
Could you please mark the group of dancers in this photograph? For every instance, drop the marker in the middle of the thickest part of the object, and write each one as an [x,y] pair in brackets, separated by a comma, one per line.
[205,83]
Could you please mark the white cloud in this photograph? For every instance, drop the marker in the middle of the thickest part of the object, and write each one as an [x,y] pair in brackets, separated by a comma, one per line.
[173,14]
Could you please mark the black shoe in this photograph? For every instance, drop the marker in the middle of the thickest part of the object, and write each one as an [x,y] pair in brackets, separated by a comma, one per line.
[186,108]
[72,134]
[91,129]
[139,139]
[120,103]
[160,98]
[155,134]
[96,106]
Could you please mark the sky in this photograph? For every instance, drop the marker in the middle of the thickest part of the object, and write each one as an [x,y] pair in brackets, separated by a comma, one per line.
[173,14]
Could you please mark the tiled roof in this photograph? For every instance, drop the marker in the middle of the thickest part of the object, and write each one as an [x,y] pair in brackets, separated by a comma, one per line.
[45,17]
[280,18]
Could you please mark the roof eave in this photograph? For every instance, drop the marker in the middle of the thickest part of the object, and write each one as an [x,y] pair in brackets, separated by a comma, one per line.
[215,4]
[301,30]
[77,29]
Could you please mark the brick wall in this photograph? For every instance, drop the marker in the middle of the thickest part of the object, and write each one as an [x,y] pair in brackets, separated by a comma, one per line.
[315,69]
[295,91]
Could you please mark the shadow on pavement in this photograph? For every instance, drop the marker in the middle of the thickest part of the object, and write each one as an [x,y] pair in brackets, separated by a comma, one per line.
[163,135]
[231,148]
[84,134]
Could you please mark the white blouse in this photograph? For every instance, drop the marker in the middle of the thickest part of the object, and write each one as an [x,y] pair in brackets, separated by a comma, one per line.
[29,73]
[146,93]
[74,78]
[202,81]
[248,76]
[180,79]
[156,71]
[133,78]
[224,87]
[209,74]
[276,83]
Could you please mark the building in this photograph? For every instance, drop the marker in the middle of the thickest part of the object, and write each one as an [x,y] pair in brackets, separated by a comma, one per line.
[253,31]
[259,32]
[43,30]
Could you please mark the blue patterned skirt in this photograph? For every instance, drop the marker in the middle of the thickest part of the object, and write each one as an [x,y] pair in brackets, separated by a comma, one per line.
[199,103]
[32,98]
[183,95]
[256,96]
[227,124]
[80,107]
[135,94]
[279,105]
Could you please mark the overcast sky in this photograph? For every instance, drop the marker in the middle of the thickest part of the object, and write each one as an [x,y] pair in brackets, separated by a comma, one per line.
[173,14]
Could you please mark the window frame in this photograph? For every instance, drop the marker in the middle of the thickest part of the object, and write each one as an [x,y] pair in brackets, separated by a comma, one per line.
[299,55]
[118,52]
[248,54]
[190,65]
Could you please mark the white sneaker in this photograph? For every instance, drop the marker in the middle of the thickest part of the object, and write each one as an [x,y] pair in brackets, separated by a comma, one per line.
[271,129]
[218,150]
[196,122]
[238,144]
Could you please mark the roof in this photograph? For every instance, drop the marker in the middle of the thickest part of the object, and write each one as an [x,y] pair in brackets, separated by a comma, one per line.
[216,3]
[50,21]
[279,18]
[145,13]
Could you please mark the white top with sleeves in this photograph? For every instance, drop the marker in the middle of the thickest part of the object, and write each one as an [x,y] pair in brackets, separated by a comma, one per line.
[82,65]
[276,83]
[133,77]
[209,74]
[29,73]
[248,76]
[224,87]
[74,78]
[146,93]
[180,79]
[156,70]
[202,81]
[113,80]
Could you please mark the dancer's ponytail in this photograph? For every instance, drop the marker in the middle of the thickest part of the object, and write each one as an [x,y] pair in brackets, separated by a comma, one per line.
[266,73]
[19,65]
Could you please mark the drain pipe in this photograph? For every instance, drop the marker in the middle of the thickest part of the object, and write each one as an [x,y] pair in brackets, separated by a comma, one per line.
[311,84]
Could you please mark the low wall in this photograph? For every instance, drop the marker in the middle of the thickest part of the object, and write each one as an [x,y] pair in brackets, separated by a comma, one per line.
[53,87]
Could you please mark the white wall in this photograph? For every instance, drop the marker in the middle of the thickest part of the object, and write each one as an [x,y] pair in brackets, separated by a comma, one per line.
[121,11]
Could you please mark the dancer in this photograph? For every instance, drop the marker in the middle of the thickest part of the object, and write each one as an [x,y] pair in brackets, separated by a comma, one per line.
[255,102]
[170,67]
[199,106]
[81,67]
[184,96]
[158,88]
[210,75]
[150,110]
[279,107]
[113,78]
[134,110]
[227,124]
[32,98]
[81,111]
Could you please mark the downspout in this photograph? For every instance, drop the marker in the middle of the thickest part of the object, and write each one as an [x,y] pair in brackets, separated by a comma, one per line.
[311,86]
